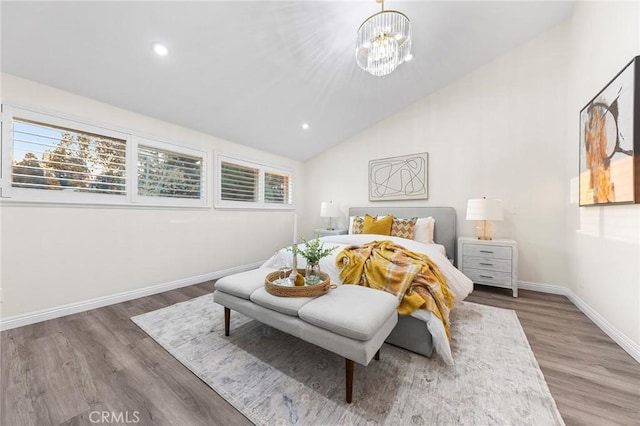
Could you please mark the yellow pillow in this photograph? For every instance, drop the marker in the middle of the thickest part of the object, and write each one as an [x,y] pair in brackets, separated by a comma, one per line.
[380,226]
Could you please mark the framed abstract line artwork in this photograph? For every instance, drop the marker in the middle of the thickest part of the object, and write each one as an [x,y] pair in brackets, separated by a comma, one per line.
[399,178]
[610,142]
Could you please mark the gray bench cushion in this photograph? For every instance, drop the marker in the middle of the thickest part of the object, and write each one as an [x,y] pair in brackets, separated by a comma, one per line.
[350,310]
[356,350]
[285,305]
[243,284]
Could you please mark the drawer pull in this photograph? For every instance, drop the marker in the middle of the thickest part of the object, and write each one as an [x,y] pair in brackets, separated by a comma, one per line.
[486,276]
[486,251]
[486,264]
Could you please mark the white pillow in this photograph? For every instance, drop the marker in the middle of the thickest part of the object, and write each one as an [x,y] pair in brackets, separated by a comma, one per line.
[423,231]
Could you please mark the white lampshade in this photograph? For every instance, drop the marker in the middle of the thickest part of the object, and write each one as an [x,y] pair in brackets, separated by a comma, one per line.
[328,209]
[484,209]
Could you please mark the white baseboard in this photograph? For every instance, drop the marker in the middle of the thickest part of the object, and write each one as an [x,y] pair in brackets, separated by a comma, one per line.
[85,305]
[631,347]
[625,343]
[542,288]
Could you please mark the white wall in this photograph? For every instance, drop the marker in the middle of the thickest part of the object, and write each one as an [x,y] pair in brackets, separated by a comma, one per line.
[58,255]
[603,243]
[498,132]
[509,130]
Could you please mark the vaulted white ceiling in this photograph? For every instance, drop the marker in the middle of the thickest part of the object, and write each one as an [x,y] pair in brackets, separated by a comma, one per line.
[253,72]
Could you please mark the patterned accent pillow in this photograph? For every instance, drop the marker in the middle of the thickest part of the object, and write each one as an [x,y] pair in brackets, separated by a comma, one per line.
[403,228]
[358,224]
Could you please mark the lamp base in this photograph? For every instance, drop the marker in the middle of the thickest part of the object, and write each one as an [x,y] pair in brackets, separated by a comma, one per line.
[330,227]
[484,230]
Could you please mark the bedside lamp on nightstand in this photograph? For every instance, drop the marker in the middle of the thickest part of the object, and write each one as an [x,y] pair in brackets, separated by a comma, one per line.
[483,211]
[329,210]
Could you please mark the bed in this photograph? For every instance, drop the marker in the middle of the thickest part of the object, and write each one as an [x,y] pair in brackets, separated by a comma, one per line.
[421,332]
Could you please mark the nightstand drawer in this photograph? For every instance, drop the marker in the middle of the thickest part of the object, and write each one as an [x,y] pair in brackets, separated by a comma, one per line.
[481,276]
[487,263]
[482,250]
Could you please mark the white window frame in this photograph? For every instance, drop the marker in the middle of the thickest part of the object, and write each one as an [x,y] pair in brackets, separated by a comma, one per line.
[8,193]
[262,168]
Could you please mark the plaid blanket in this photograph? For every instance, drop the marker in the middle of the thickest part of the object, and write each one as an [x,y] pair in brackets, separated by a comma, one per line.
[412,277]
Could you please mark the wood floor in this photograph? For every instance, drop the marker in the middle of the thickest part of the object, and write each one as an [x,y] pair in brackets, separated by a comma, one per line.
[77,369]
[592,379]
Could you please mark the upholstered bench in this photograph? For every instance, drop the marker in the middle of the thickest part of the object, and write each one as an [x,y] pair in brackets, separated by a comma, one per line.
[351,321]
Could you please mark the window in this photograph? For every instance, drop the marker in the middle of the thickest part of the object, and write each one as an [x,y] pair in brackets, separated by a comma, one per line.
[48,158]
[239,183]
[276,188]
[164,173]
[247,184]
[57,158]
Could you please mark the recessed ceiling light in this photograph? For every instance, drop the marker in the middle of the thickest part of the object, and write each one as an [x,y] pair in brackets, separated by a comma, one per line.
[305,126]
[160,49]
[408,57]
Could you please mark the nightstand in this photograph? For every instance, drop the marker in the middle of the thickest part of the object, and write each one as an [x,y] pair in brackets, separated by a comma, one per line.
[327,232]
[489,262]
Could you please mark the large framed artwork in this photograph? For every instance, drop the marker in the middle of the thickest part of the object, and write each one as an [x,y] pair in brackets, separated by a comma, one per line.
[610,142]
[399,178]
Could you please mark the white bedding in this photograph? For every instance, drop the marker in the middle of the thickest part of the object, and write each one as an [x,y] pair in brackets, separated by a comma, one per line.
[458,283]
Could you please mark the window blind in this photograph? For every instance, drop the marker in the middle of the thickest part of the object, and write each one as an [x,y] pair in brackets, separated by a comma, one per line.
[163,173]
[239,183]
[276,188]
[48,157]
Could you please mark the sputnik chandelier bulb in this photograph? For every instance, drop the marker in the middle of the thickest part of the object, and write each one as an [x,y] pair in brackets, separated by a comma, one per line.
[383,42]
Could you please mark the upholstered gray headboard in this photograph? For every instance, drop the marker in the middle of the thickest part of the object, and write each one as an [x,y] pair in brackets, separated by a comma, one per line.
[445,217]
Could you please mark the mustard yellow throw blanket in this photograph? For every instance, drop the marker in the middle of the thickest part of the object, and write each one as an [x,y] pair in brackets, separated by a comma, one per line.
[412,277]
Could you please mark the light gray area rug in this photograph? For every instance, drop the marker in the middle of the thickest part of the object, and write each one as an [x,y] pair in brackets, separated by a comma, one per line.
[273,378]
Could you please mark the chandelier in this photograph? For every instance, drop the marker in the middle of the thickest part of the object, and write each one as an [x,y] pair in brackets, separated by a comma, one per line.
[384,42]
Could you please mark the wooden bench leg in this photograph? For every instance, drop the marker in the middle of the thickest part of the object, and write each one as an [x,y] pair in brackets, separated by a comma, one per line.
[227,319]
[349,371]
[349,376]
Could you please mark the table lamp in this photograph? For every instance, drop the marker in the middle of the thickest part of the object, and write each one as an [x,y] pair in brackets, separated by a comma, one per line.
[329,210]
[483,211]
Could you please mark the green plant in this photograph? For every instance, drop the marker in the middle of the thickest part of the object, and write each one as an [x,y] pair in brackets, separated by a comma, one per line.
[313,250]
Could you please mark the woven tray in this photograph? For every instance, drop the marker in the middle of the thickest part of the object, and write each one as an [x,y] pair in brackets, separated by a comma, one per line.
[296,291]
